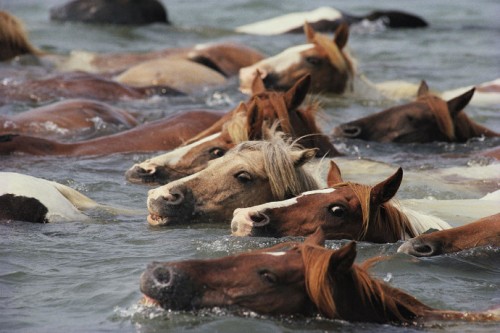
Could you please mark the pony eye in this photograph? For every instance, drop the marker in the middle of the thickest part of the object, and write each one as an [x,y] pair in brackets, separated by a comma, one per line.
[314,61]
[337,211]
[268,277]
[243,177]
[217,152]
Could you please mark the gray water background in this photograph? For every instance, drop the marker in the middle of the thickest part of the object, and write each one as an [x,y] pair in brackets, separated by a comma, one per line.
[83,276]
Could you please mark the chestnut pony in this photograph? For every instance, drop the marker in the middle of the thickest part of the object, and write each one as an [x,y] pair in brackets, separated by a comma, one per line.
[251,173]
[344,211]
[426,119]
[244,123]
[68,119]
[290,278]
[162,134]
[483,232]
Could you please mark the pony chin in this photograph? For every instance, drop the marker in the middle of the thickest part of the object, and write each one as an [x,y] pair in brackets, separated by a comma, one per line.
[149,302]
[156,220]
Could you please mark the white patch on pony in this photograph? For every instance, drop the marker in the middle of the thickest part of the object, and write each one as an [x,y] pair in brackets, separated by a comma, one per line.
[285,23]
[173,157]
[276,254]
[61,201]
[284,60]
[422,222]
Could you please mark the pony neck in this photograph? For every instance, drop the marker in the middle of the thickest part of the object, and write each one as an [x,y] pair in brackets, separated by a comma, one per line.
[466,128]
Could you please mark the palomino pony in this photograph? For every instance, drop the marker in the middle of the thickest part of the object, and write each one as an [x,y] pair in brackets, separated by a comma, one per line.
[328,19]
[162,134]
[243,124]
[68,119]
[333,70]
[288,279]
[344,211]
[483,232]
[426,119]
[252,173]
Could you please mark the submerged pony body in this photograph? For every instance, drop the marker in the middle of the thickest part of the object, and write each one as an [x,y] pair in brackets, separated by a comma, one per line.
[68,119]
[344,211]
[241,124]
[289,278]
[252,173]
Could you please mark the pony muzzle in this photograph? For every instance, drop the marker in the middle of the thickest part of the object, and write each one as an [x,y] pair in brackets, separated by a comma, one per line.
[245,221]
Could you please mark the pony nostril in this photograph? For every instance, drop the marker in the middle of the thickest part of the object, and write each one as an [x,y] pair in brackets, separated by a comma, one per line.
[351,131]
[423,249]
[174,197]
[163,275]
[258,219]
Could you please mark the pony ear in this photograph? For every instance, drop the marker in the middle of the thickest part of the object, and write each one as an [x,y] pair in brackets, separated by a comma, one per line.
[458,103]
[258,84]
[301,157]
[343,258]
[309,31]
[296,94]
[386,190]
[341,35]
[334,175]
[317,238]
[423,89]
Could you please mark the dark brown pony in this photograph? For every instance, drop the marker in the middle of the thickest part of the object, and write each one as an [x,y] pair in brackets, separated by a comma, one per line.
[163,134]
[76,85]
[289,278]
[485,231]
[68,119]
[242,124]
[326,60]
[427,119]
[344,211]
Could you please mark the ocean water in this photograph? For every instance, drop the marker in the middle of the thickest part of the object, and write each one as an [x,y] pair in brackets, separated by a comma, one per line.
[83,276]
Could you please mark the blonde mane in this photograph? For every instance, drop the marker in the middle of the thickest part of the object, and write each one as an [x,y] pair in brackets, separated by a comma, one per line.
[286,180]
[13,38]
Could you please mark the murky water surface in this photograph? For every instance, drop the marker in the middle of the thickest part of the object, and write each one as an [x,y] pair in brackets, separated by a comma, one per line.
[83,276]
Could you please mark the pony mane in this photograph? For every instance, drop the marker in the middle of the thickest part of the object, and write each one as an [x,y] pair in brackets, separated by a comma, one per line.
[440,111]
[396,305]
[13,38]
[285,179]
[387,218]
[338,58]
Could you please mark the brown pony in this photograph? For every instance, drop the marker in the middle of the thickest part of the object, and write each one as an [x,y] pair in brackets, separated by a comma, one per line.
[76,85]
[252,173]
[344,211]
[289,278]
[485,231]
[427,119]
[329,65]
[163,134]
[244,123]
[67,119]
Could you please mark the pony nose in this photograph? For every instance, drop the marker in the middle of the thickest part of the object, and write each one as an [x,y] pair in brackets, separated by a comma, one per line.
[258,219]
[174,196]
[140,173]
[162,276]
[420,248]
[347,131]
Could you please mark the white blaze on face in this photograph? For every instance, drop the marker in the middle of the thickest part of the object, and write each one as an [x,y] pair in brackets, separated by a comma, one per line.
[286,203]
[173,157]
[276,254]
[285,23]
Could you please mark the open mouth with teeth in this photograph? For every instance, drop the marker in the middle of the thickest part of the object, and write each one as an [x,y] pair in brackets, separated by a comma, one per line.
[149,302]
[155,219]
